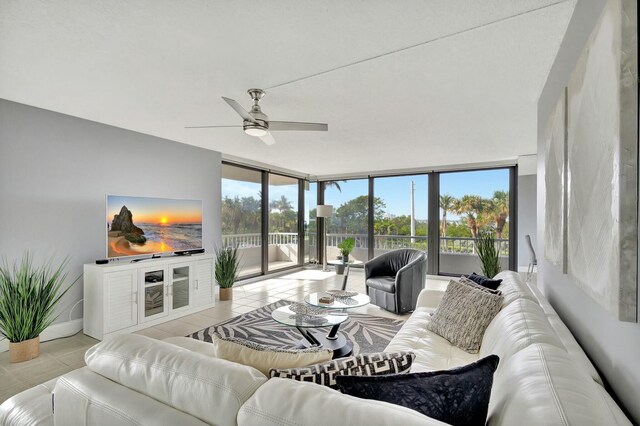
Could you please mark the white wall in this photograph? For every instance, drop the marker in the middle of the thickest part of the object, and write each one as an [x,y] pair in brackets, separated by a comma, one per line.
[613,346]
[527,216]
[55,171]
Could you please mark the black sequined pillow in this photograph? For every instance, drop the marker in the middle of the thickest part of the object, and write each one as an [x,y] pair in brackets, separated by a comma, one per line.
[484,281]
[459,396]
[359,365]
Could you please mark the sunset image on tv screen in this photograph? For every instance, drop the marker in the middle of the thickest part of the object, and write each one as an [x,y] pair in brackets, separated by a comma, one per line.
[140,225]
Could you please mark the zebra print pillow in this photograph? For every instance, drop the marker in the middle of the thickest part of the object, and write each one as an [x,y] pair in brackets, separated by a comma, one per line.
[325,373]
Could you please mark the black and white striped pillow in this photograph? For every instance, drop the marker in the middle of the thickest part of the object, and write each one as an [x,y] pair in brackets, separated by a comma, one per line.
[325,373]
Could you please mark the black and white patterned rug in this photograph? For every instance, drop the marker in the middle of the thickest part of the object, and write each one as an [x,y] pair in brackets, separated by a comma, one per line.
[368,333]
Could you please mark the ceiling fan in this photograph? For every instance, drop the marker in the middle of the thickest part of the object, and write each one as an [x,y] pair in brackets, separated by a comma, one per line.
[257,123]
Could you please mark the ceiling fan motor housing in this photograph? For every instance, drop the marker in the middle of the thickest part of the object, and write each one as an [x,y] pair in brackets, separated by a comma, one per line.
[261,125]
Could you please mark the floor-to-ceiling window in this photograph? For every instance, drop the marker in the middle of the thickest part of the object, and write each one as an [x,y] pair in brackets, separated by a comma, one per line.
[350,201]
[310,222]
[400,218]
[471,202]
[242,215]
[283,221]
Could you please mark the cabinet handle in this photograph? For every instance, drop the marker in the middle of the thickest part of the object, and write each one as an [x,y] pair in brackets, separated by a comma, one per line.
[135,297]
[196,282]
[171,290]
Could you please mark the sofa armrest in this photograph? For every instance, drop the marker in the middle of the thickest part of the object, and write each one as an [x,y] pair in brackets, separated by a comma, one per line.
[417,265]
[30,407]
[429,298]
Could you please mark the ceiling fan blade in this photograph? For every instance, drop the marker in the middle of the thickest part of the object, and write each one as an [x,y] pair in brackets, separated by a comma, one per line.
[207,127]
[295,125]
[268,139]
[238,108]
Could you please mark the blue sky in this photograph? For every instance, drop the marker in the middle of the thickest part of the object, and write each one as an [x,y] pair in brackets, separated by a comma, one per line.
[395,191]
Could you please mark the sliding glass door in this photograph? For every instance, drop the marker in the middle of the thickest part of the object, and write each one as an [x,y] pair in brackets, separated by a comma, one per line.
[470,203]
[310,222]
[283,222]
[350,201]
[242,216]
[401,217]
[389,213]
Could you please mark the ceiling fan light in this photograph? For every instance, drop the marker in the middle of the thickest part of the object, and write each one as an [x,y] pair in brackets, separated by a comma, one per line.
[255,131]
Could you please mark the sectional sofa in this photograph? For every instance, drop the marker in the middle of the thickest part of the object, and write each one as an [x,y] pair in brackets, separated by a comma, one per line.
[543,378]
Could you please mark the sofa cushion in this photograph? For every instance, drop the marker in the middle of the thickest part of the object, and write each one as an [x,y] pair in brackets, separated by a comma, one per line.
[464,314]
[264,358]
[571,345]
[173,376]
[359,365]
[87,398]
[432,352]
[540,385]
[617,415]
[513,288]
[282,402]
[387,284]
[517,326]
[33,406]
[459,396]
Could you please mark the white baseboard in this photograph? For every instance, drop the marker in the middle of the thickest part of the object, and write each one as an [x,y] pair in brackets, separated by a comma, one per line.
[54,331]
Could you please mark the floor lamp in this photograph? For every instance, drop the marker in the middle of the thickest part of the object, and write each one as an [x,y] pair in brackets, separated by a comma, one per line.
[324,211]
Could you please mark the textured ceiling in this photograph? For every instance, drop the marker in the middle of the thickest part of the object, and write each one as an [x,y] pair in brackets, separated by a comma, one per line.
[460,87]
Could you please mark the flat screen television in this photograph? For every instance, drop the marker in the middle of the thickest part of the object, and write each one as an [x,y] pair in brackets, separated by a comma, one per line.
[142,226]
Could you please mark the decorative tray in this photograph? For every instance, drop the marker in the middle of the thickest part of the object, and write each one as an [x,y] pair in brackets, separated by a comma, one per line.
[342,293]
[304,309]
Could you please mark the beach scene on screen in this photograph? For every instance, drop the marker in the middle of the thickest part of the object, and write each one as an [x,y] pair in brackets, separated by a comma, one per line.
[141,225]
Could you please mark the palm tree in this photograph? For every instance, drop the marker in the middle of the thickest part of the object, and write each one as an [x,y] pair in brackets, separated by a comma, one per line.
[446,204]
[472,206]
[283,204]
[500,211]
[333,183]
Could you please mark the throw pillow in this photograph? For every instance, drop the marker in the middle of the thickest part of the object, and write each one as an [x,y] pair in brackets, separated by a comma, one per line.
[484,281]
[464,314]
[459,396]
[263,357]
[474,284]
[360,365]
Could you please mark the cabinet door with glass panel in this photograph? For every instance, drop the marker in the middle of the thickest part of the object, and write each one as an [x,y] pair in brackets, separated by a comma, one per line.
[155,293]
[180,278]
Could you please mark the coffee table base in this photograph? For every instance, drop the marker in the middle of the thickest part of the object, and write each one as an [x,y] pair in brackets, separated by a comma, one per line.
[340,346]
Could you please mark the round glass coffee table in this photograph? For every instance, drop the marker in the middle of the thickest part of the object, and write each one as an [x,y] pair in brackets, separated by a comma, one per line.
[342,300]
[305,317]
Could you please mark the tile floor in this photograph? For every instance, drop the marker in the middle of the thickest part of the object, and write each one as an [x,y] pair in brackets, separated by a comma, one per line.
[63,355]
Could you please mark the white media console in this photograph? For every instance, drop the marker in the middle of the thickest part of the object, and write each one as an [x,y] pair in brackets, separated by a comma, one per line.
[123,297]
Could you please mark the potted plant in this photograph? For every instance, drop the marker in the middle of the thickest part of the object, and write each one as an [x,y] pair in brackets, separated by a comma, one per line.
[346,247]
[226,270]
[28,297]
[488,253]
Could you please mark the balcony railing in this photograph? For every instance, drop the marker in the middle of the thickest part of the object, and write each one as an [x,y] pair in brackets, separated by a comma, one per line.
[255,239]
[459,245]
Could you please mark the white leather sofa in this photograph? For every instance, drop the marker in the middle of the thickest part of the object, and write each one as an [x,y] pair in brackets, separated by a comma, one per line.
[544,378]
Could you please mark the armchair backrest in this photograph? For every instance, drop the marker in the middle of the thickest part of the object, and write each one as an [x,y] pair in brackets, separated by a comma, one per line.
[388,264]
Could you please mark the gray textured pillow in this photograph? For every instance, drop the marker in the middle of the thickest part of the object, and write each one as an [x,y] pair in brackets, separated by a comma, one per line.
[464,314]
[359,365]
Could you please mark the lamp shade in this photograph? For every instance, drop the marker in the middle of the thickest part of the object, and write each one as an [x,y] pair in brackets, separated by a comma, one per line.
[324,210]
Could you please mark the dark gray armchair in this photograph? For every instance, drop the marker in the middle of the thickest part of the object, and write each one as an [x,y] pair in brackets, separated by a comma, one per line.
[394,279]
